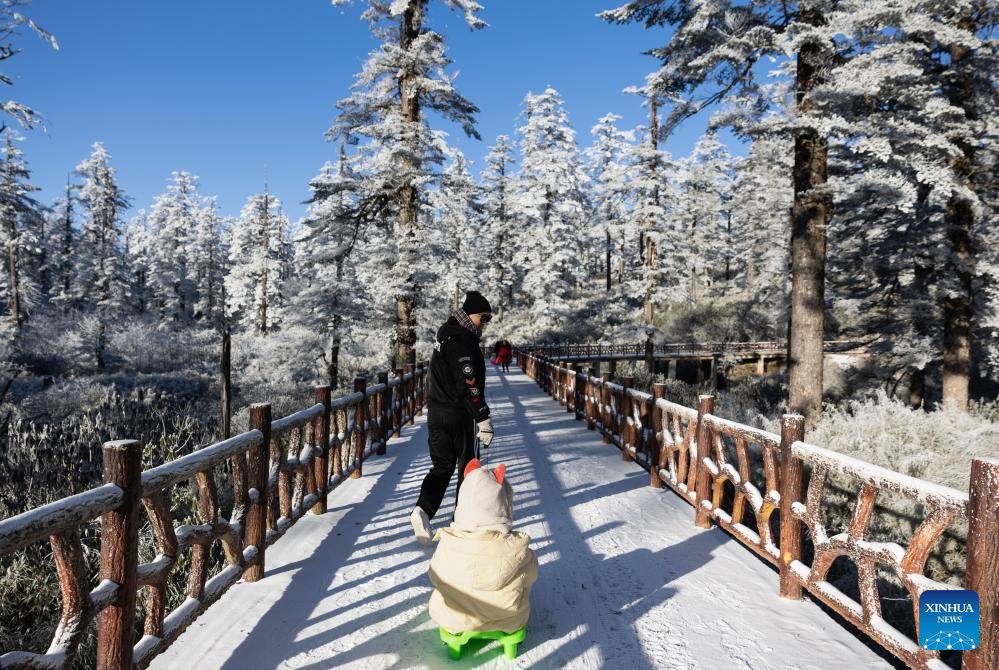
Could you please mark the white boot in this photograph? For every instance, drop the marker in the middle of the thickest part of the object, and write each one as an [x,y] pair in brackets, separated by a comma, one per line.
[421,526]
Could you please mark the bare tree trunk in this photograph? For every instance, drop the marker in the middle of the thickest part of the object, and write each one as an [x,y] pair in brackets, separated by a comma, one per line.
[333,369]
[265,240]
[65,269]
[225,377]
[809,216]
[405,325]
[10,216]
[608,253]
[15,297]
[960,219]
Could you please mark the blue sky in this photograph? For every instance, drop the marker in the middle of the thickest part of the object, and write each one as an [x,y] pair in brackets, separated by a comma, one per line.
[227,89]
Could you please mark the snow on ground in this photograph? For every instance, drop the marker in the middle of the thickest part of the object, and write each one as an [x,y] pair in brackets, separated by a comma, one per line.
[627,580]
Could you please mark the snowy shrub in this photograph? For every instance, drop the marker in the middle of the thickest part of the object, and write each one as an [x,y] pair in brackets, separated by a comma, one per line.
[279,368]
[937,446]
[143,346]
[720,321]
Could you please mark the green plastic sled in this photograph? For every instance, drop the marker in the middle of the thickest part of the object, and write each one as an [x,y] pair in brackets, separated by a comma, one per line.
[455,641]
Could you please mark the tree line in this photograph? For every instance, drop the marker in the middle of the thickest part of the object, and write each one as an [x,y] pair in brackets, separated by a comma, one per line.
[865,201]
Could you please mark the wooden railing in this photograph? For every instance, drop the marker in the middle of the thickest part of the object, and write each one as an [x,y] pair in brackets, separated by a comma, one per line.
[698,455]
[604,351]
[276,472]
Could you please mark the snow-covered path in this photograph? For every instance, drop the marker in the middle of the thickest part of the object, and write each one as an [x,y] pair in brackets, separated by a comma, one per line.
[627,580]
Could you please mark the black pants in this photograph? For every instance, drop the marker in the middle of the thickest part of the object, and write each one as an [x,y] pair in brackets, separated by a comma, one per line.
[452,444]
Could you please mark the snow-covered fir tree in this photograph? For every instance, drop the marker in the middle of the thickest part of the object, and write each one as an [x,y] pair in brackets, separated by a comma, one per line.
[172,223]
[610,199]
[19,229]
[139,249]
[655,234]
[704,184]
[255,285]
[99,260]
[62,242]
[12,19]
[916,140]
[459,248]
[207,262]
[400,155]
[552,201]
[761,197]
[711,58]
[498,186]
[328,295]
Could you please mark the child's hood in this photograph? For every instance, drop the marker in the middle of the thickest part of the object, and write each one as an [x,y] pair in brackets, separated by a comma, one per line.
[485,500]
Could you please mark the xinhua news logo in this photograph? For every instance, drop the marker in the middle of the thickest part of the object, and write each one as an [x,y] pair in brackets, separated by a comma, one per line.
[948,620]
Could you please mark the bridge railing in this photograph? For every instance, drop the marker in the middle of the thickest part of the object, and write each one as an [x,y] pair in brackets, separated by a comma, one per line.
[274,473]
[604,351]
[770,510]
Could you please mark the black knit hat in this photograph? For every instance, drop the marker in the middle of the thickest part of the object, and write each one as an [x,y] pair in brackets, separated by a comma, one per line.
[475,303]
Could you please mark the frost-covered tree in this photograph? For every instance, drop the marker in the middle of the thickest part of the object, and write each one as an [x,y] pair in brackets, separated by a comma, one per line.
[654,232]
[460,250]
[139,248]
[499,190]
[552,200]
[172,226]
[704,185]
[12,19]
[400,154]
[207,262]
[17,212]
[62,234]
[609,193]
[916,140]
[258,268]
[761,197]
[328,295]
[711,57]
[99,256]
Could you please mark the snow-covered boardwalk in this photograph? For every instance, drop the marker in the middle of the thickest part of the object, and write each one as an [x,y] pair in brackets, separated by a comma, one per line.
[627,580]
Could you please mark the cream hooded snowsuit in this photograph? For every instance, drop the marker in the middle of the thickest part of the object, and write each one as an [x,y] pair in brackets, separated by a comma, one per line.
[482,571]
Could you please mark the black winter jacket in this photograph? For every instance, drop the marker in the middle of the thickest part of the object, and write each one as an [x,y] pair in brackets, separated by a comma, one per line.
[457,379]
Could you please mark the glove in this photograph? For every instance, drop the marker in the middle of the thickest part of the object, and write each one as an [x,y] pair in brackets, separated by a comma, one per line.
[486,432]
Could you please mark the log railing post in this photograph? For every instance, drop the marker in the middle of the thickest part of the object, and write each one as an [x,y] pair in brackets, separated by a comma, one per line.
[982,575]
[702,489]
[411,394]
[625,429]
[792,481]
[400,400]
[657,438]
[576,391]
[605,408]
[591,407]
[421,385]
[120,555]
[321,433]
[383,420]
[360,386]
[258,471]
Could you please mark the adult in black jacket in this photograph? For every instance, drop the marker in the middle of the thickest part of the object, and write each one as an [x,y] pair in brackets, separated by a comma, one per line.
[456,403]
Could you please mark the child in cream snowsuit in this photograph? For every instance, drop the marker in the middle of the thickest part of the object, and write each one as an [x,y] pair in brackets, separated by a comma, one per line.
[482,570]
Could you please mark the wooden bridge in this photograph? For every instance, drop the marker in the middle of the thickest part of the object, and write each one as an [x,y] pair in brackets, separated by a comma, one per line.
[696,361]
[344,585]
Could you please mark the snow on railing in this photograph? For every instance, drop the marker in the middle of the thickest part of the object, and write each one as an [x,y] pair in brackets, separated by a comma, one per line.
[276,472]
[775,349]
[700,455]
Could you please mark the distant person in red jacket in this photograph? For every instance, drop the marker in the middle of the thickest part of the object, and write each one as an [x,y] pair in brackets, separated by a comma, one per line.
[504,353]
